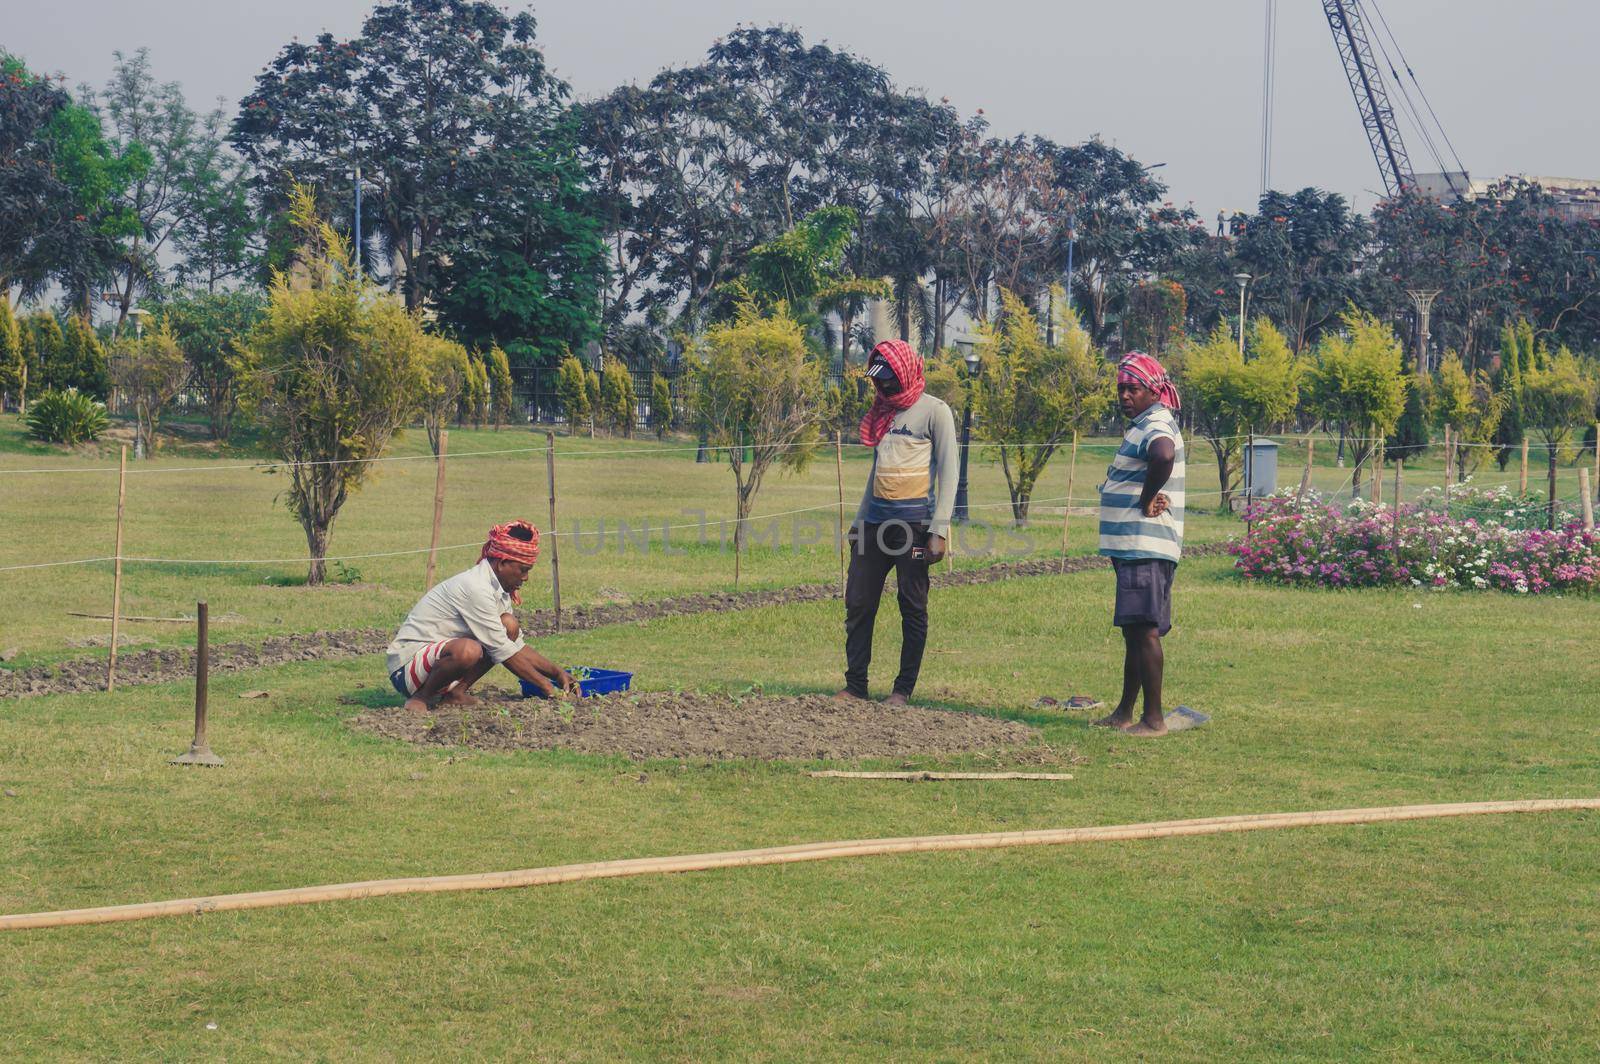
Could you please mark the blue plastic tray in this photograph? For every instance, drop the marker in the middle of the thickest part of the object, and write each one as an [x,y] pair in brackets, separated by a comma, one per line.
[600,682]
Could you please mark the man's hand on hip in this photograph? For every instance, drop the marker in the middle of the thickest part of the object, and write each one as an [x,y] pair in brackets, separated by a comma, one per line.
[1158,505]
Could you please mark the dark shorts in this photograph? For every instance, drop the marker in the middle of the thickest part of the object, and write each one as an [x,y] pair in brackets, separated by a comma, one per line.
[1144,592]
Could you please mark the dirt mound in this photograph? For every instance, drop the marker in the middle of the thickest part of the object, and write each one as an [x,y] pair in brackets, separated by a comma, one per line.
[661,724]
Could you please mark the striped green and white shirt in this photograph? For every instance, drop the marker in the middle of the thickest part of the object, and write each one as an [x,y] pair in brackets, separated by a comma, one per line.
[1125,532]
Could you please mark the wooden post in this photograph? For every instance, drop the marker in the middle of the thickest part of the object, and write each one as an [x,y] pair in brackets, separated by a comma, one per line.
[116,581]
[1588,500]
[1066,514]
[1377,474]
[555,538]
[838,474]
[1522,484]
[1395,503]
[199,751]
[1305,476]
[438,503]
[1449,460]
[738,536]
[1597,461]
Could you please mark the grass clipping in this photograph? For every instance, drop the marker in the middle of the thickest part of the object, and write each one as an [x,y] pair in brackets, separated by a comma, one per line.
[698,725]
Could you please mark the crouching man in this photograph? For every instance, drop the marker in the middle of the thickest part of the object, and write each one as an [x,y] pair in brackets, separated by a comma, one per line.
[465,626]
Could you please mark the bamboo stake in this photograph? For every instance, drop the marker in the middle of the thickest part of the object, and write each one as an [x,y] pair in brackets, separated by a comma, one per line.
[1066,514]
[940,775]
[1522,484]
[1305,476]
[1588,501]
[555,538]
[1377,475]
[116,581]
[817,851]
[1597,461]
[838,475]
[438,503]
[1394,505]
[1449,460]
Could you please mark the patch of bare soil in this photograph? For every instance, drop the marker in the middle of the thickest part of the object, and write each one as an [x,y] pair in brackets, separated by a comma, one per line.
[166,665]
[700,726]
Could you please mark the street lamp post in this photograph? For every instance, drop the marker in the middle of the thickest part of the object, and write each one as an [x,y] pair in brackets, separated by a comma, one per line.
[960,515]
[1244,281]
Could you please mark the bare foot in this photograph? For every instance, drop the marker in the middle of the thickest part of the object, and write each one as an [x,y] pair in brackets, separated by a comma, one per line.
[1146,730]
[416,704]
[1115,719]
[454,697]
[847,694]
[897,699]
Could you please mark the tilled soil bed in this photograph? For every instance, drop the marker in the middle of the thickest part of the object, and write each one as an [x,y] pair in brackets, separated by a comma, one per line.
[166,664]
[699,726]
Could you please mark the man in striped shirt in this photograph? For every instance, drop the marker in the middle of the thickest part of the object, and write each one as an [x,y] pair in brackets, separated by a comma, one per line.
[1141,531]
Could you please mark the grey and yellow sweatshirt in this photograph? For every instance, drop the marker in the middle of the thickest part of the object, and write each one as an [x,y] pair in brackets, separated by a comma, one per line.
[914,469]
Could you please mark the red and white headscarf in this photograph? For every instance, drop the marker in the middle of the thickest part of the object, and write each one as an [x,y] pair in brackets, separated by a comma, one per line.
[907,366]
[1137,367]
[502,544]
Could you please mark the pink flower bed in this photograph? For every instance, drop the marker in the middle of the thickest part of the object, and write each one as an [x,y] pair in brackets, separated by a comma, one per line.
[1325,546]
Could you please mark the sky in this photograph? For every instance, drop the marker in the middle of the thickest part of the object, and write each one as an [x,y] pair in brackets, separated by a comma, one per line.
[1176,82]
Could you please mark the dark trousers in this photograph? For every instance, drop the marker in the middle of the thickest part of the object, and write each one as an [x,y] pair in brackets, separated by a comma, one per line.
[878,549]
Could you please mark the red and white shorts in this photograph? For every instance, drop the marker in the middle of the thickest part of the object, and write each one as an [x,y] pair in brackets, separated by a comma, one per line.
[412,675]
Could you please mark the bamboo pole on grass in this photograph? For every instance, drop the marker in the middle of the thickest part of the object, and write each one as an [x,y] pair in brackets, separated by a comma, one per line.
[1066,513]
[1395,502]
[1522,482]
[816,851]
[438,504]
[1449,460]
[555,538]
[116,580]
[1588,500]
[1305,476]
[1377,474]
[838,476]
[1597,461]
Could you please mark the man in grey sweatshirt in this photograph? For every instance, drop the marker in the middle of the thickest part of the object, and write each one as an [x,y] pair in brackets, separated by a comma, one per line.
[904,518]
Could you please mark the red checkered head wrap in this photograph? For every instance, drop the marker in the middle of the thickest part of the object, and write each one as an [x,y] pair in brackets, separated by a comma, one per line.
[1137,367]
[907,366]
[502,543]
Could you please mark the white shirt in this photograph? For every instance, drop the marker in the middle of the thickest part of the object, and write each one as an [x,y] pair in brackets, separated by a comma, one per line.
[466,606]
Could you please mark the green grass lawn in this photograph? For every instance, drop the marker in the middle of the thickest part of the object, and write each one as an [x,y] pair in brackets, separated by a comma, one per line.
[196,503]
[1471,939]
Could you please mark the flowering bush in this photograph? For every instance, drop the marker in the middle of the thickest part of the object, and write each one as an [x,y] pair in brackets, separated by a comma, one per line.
[1368,546]
[1498,505]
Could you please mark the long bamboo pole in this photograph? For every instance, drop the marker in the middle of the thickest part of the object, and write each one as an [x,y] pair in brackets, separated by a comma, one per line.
[555,538]
[116,581]
[816,851]
[1305,476]
[438,503]
[1586,500]
[1522,482]
[838,476]
[1066,513]
[936,776]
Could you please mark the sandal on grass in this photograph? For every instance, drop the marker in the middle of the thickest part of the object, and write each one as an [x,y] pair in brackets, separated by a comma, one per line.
[1082,702]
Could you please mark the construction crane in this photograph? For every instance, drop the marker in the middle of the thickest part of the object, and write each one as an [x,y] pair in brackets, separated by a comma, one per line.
[1372,98]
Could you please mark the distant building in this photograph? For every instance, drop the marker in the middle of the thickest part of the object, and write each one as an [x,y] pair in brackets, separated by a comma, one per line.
[1577,198]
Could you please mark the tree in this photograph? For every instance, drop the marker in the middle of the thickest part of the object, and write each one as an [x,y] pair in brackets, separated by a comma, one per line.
[1470,407]
[755,397]
[1155,316]
[592,395]
[1230,397]
[1032,395]
[1558,396]
[474,393]
[439,102]
[1303,249]
[149,372]
[221,237]
[83,359]
[446,369]
[502,390]
[332,374]
[212,328]
[61,218]
[572,390]
[1357,381]
[616,398]
[1410,436]
[661,412]
[42,345]
[13,360]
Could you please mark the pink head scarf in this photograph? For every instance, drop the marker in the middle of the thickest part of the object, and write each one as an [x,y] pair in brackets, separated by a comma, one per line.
[1139,368]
